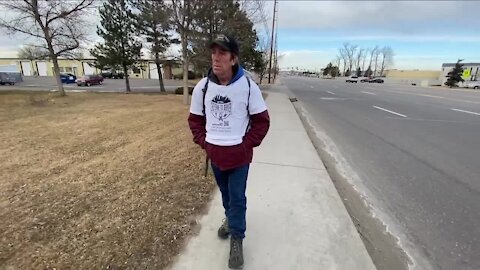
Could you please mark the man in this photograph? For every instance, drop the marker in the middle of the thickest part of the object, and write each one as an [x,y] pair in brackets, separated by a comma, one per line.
[228,117]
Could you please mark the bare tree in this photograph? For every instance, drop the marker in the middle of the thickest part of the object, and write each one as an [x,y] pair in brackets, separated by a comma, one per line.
[343,55]
[359,58]
[32,52]
[372,54]
[183,16]
[255,10]
[264,48]
[350,50]
[59,24]
[364,57]
[377,53]
[387,58]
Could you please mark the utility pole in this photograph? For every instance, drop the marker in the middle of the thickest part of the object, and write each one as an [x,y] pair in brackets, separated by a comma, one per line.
[271,41]
[275,63]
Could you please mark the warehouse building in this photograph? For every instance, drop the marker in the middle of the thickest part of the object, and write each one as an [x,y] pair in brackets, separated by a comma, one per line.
[147,69]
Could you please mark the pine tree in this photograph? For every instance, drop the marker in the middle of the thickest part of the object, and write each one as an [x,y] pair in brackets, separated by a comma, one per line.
[347,73]
[368,73]
[359,72]
[153,23]
[327,69]
[121,48]
[335,71]
[225,16]
[455,76]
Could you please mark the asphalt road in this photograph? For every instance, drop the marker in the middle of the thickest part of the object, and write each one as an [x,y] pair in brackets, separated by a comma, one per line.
[109,85]
[416,152]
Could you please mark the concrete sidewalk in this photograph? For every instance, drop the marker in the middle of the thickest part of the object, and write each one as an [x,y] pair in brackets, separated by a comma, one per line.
[295,217]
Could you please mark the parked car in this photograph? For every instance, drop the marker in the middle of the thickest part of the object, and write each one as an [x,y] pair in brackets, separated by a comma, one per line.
[472,84]
[68,78]
[112,75]
[179,76]
[377,80]
[6,79]
[89,80]
[365,79]
[353,79]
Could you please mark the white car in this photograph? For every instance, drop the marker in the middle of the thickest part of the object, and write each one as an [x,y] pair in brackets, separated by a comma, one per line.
[472,84]
[353,79]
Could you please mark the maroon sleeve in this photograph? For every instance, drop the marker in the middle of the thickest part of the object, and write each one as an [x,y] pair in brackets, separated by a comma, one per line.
[197,126]
[259,124]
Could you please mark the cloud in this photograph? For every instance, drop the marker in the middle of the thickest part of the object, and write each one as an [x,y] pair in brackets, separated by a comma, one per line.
[310,59]
[395,16]
[315,37]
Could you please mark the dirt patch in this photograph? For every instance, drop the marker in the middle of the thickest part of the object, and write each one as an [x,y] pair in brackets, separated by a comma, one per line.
[97,181]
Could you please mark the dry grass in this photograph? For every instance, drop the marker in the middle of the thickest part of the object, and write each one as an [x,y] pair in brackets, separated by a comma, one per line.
[96,181]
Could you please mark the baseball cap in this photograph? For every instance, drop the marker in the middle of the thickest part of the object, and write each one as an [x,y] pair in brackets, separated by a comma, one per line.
[226,42]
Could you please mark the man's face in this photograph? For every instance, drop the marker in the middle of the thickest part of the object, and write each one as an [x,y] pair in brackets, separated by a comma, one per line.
[222,61]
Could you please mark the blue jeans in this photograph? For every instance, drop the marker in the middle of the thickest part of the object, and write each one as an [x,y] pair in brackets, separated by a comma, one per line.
[233,184]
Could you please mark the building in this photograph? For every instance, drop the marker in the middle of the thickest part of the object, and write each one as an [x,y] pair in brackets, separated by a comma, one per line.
[471,71]
[416,77]
[147,68]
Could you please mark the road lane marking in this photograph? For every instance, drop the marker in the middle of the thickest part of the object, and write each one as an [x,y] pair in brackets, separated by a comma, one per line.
[383,109]
[458,110]
[331,93]
[331,98]
[424,95]
[311,86]
[370,93]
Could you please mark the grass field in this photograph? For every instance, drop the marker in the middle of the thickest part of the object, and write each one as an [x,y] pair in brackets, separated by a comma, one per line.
[97,181]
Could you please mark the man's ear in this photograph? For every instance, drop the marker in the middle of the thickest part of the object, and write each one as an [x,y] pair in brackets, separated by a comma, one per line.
[234,60]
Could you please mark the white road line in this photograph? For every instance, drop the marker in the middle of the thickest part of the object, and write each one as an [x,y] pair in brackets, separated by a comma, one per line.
[458,110]
[370,93]
[383,109]
[311,86]
[331,98]
[423,95]
[331,93]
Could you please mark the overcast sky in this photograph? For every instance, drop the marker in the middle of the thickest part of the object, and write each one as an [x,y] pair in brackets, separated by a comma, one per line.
[423,35]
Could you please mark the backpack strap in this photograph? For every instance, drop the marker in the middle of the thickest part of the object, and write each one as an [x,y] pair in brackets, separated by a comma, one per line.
[204,90]
[248,104]
[248,100]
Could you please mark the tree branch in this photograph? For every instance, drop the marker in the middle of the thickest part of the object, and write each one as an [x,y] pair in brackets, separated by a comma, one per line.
[82,5]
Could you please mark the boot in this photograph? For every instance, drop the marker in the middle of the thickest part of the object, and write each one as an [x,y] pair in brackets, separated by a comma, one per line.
[224,231]
[236,253]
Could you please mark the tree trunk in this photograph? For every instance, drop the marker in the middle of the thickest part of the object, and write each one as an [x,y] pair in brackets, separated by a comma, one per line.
[382,68]
[127,81]
[376,62]
[185,69]
[363,63]
[56,70]
[159,70]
